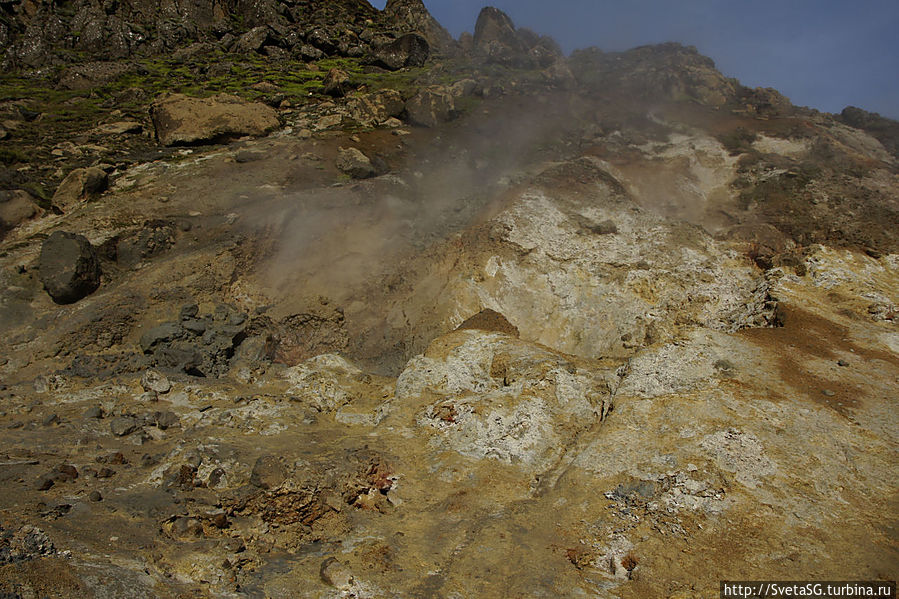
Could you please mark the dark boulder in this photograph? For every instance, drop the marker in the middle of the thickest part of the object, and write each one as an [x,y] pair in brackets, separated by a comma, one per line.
[410,50]
[69,267]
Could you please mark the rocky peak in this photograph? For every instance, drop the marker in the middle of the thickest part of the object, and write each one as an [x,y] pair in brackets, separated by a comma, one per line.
[669,71]
[496,40]
[411,16]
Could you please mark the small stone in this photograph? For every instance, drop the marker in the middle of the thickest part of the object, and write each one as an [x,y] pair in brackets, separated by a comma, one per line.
[51,419]
[95,496]
[189,311]
[94,412]
[105,472]
[336,574]
[244,156]
[843,363]
[828,393]
[45,482]
[187,528]
[166,420]
[220,520]
[155,381]
[66,472]
[123,425]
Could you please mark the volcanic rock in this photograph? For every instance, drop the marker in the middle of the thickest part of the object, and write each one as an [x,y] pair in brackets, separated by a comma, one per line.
[354,163]
[69,267]
[410,50]
[411,16]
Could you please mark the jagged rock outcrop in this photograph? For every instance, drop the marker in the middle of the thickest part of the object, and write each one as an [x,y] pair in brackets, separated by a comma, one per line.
[411,16]
[39,33]
[661,72]
[496,40]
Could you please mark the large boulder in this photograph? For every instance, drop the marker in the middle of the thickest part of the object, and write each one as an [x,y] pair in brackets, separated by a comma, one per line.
[410,50]
[431,106]
[375,108]
[180,120]
[496,40]
[79,185]
[69,267]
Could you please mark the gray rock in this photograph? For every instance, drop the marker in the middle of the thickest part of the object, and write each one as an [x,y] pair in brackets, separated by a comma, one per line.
[94,412]
[69,267]
[189,311]
[122,426]
[253,40]
[410,50]
[354,163]
[167,331]
[196,326]
[16,207]
[166,420]
[268,472]
[155,381]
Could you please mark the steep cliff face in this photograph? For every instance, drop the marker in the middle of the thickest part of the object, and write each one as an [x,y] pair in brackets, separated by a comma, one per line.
[282,317]
[39,33]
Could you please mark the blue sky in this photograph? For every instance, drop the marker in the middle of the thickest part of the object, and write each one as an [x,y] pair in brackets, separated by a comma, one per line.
[826,54]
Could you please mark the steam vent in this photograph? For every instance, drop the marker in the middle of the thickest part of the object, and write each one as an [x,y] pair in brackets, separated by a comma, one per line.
[308,298]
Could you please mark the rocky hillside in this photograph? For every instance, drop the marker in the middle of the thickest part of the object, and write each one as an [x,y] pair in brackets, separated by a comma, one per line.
[310,299]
